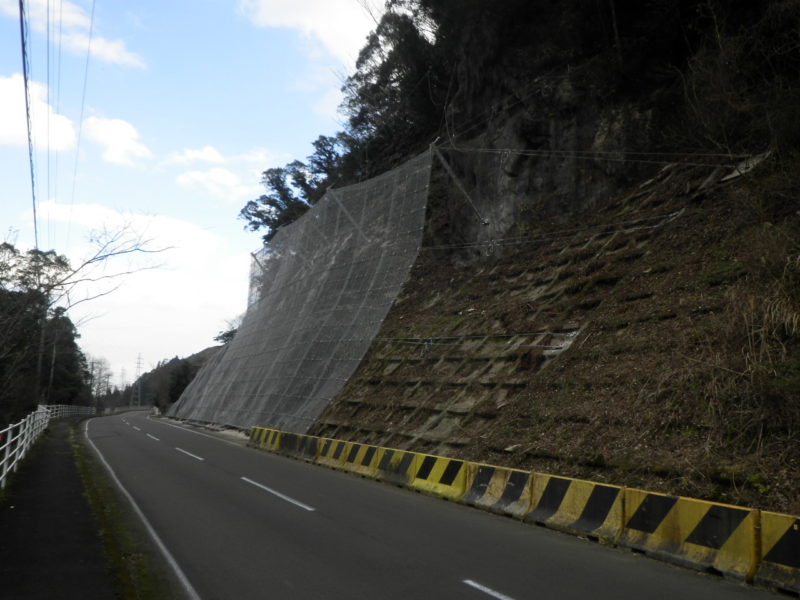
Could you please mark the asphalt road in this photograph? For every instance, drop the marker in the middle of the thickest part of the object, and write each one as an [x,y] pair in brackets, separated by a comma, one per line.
[243,523]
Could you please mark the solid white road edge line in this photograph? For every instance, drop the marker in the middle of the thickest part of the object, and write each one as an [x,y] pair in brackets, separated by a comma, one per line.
[194,456]
[153,437]
[190,591]
[486,590]
[279,495]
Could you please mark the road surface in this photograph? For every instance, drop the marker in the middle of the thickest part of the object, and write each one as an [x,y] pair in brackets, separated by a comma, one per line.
[242,523]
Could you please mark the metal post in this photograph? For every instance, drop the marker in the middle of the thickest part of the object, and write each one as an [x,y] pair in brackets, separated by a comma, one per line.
[7,454]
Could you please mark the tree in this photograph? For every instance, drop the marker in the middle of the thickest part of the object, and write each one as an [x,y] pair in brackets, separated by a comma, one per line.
[279,207]
[39,357]
[226,335]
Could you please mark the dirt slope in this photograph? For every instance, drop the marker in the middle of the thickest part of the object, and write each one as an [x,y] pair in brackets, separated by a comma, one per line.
[633,344]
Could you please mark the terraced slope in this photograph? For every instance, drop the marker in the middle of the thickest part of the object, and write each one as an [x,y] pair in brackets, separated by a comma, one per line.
[608,347]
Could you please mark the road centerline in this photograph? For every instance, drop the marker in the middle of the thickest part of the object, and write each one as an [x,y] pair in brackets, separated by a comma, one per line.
[279,495]
[486,590]
[194,456]
[136,428]
[153,437]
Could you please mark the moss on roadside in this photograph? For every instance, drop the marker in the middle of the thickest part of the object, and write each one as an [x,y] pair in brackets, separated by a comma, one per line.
[138,567]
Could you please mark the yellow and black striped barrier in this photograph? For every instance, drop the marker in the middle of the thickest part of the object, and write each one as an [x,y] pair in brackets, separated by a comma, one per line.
[500,490]
[713,537]
[584,508]
[746,544]
[780,552]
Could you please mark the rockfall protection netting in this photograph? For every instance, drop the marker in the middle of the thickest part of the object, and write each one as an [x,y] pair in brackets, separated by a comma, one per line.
[319,292]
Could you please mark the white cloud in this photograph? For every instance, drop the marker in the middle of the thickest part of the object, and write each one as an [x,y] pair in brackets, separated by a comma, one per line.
[119,139]
[341,26]
[261,157]
[13,122]
[328,104]
[189,155]
[75,30]
[175,309]
[110,51]
[219,182]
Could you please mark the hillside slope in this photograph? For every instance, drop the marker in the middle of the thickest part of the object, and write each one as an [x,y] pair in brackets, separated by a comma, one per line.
[651,341]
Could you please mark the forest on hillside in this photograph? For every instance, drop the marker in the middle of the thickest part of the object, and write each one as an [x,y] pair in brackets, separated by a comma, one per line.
[717,76]
[40,361]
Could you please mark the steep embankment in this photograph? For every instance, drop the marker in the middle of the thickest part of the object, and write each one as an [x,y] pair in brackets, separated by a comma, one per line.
[650,342]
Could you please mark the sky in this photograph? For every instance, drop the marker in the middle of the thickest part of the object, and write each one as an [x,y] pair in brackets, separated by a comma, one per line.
[161,136]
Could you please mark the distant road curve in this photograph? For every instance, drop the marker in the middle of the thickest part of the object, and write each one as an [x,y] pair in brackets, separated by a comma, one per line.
[241,523]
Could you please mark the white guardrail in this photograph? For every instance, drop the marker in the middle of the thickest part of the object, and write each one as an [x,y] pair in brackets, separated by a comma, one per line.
[16,439]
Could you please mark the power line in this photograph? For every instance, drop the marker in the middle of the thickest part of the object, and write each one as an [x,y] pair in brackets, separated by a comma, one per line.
[80,122]
[49,103]
[23,27]
[58,89]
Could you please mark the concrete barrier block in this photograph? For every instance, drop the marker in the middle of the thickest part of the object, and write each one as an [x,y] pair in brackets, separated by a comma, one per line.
[265,437]
[585,508]
[441,476]
[500,490]
[396,466]
[362,459]
[780,550]
[693,533]
[331,452]
[298,445]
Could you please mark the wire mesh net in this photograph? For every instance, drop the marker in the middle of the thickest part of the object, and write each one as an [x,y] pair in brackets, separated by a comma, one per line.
[319,292]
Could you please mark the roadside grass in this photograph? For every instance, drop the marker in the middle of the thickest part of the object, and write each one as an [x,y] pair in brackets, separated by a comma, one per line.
[138,568]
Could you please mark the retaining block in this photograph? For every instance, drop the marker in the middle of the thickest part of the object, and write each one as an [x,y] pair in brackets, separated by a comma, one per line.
[440,476]
[396,466]
[693,533]
[585,508]
[500,490]
[780,547]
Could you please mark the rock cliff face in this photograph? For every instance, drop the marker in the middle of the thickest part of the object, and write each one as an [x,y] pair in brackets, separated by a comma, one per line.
[548,157]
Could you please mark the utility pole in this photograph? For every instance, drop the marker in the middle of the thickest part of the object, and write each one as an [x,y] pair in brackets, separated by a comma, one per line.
[137,391]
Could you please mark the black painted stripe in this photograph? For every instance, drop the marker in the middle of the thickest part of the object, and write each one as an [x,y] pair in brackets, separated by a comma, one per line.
[787,550]
[426,468]
[353,451]
[514,487]
[289,441]
[597,508]
[651,513]
[338,452]
[481,483]
[368,456]
[551,499]
[386,461]
[405,463]
[311,446]
[717,526]
[451,471]
[326,447]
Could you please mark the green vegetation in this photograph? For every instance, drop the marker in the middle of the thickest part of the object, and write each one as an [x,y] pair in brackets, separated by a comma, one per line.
[40,362]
